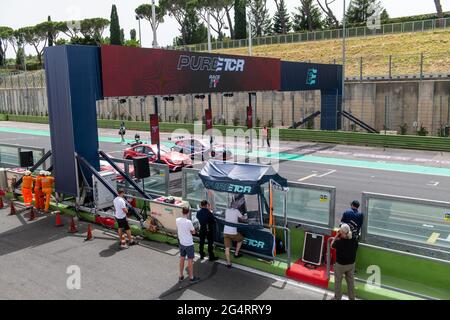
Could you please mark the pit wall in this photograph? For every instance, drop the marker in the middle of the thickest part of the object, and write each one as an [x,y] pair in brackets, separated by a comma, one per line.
[406,273]
[380,104]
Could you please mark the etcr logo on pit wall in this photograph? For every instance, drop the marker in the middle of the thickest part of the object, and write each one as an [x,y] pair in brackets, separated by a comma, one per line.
[213,64]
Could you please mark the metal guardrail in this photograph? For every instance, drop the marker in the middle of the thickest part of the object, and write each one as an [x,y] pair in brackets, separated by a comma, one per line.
[401,27]
[10,155]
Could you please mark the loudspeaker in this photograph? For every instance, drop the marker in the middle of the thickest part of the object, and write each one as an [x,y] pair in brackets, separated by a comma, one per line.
[141,168]
[26,159]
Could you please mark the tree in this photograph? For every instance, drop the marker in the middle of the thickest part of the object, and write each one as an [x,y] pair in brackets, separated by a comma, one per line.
[240,19]
[5,34]
[122,36]
[440,13]
[185,13]
[145,11]
[115,37]
[360,10]
[50,34]
[330,21]
[37,37]
[259,18]
[308,17]
[281,20]
[193,31]
[94,28]
[217,12]
[20,57]
[133,34]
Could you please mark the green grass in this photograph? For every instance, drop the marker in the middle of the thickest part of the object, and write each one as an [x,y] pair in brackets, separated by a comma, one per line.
[375,50]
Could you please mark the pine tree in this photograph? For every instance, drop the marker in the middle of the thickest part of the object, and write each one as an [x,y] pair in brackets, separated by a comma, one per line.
[192,31]
[360,10]
[50,34]
[133,34]
[260,18]
[240,19]
[281,20]
[308,17]
[115,33]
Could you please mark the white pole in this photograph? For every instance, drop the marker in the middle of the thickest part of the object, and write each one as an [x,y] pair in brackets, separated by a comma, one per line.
[155,39]
[209,32]
[249,34]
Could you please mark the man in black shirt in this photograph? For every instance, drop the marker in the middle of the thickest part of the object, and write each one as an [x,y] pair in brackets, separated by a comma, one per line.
[346,248]
[207,223]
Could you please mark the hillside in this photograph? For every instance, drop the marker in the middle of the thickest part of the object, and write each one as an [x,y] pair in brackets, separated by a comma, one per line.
[405,49]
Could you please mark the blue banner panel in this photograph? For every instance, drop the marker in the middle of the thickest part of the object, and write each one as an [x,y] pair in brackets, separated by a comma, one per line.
[73,85]
[330,106]
[257,239]
[299,76]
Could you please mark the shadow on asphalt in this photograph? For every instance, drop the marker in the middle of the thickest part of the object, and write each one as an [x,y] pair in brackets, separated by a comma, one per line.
[218,282]
[36,233]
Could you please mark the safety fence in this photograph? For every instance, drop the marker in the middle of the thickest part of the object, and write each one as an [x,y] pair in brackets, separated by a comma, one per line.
[403,27]
[10,155]
[411,225]
[157,184]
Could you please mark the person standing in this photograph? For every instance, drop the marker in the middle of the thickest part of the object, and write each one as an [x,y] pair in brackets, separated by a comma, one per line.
[38,196]
[207,225]
[354,219]
[47,189]
[185,230]
[231,234]
[265,136]
[120,213]
[122,131]
[346,248]
[27,188]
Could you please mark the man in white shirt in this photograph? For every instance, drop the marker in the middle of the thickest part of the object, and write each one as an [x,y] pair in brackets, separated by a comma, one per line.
[185,230]
[120,213]
[231,234]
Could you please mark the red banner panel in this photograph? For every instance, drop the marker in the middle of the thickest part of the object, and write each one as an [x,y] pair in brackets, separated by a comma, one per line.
[154,128]
[129,71]
[208,118]
[249,117]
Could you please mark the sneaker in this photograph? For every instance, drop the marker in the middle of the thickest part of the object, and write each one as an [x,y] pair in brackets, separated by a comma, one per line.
[194,280]
[133,243]
[238,255]
[202,257]
[180,278]
[229,266]
[213,258]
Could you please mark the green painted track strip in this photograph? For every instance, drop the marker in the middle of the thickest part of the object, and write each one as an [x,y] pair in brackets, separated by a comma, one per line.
[385,166]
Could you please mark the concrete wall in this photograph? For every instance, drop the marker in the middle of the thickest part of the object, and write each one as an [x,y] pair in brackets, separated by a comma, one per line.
[380,104]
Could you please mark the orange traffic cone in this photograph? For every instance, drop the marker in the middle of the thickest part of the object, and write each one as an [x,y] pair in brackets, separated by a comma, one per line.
[13,209]
[32,214]
[73,227]
[89,233]
[58,220]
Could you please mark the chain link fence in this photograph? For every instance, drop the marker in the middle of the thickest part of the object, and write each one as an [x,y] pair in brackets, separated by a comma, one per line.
[403,27]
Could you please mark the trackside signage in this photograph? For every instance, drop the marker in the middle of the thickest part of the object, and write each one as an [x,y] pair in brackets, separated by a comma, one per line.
[128,71]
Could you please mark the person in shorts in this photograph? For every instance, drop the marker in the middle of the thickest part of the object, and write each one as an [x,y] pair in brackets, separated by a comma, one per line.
[185,230]
[231,234]
[120,213]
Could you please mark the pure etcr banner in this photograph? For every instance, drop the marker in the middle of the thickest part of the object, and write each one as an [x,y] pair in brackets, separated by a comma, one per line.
[129,71]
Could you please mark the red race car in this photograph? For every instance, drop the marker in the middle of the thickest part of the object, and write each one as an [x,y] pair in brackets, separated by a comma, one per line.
[175,160]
